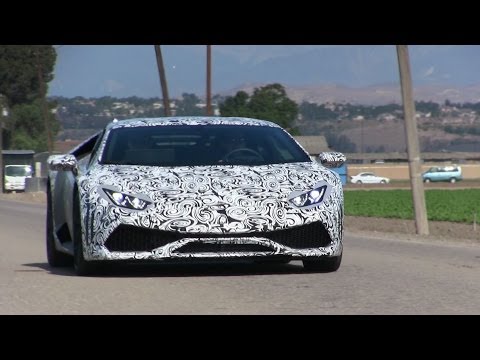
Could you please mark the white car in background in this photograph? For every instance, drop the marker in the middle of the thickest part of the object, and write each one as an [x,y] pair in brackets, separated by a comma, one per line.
[15,176]
[368,178]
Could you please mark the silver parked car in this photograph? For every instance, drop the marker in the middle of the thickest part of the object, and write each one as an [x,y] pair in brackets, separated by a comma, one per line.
[451,173]
[189,189]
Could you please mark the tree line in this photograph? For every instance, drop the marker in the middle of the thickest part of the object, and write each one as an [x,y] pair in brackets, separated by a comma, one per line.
[269,102]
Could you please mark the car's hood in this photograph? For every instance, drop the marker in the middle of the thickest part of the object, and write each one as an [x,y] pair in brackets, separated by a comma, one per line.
[276,181]
[209,198]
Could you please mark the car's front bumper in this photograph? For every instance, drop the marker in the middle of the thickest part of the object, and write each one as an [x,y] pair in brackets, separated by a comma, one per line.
[135,243]
[170,251]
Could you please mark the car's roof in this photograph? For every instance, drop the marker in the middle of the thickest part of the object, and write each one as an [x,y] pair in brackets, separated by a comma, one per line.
[189,120]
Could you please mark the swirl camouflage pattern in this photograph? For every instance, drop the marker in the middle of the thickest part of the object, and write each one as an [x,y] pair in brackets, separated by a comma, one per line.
[175,188]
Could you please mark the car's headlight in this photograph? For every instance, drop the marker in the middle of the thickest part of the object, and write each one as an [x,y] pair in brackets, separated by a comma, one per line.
[125,200]
[312,197]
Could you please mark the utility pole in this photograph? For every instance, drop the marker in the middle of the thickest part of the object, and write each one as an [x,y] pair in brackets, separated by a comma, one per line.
[209,80]
[163,80]
[414,163]
[43,94]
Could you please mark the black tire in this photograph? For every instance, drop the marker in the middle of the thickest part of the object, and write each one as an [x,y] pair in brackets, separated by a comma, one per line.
[55,258]
[323,265]
[453,180]
[82,267]
[358,182]
[427,180]
[383,182]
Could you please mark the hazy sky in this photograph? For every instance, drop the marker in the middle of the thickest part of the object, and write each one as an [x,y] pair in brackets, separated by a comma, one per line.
[131,70]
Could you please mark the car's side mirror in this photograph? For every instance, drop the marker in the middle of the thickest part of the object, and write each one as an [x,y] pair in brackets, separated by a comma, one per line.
[332,159]
[65,162]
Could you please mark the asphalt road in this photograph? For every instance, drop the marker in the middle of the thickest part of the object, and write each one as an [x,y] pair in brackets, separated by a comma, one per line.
[378,276]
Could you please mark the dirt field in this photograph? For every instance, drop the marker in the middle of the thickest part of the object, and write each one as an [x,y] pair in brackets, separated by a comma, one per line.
[439,230]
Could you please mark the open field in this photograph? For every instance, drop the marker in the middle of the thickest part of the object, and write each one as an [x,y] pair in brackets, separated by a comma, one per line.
[455,205]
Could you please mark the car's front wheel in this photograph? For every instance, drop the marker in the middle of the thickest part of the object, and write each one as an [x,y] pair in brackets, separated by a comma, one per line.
[453,180]
[427,180]
[55,258]
[329,264]
[82,267]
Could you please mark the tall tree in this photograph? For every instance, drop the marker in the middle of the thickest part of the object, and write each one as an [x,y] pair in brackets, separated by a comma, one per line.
[188,106]
[19,81]
[25,71]
[26,130]
[236,105]
[269,102]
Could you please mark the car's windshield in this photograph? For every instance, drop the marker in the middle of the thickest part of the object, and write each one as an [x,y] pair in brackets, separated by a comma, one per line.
[18,170]
[191,145]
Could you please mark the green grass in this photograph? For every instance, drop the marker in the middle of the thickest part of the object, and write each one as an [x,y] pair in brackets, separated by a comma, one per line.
[442,205]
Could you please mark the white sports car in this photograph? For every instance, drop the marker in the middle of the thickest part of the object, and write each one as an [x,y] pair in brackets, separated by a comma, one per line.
[191,189]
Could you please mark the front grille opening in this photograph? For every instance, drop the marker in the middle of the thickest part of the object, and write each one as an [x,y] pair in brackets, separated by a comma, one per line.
[131,238]
[202,247]
[127,238]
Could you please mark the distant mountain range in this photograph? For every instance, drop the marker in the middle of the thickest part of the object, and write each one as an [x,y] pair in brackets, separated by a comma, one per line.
[372,95]
[126,70]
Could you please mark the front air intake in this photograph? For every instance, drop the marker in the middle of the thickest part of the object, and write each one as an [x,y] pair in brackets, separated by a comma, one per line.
[131,238]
